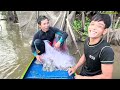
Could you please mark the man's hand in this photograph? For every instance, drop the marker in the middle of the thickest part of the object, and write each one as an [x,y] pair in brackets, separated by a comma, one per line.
[72,70]
[38,57]
[78,76]
[57,45]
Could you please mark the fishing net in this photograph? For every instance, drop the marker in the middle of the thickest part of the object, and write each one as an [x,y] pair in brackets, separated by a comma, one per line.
[55,59]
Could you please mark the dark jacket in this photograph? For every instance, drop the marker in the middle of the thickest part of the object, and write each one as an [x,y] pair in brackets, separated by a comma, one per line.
[49,35]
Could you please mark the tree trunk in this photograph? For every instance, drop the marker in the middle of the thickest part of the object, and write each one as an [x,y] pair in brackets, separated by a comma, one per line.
[83,21]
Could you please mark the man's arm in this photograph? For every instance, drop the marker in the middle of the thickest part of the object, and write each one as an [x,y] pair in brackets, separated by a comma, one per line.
[63,34]
[107,70]
[80,62]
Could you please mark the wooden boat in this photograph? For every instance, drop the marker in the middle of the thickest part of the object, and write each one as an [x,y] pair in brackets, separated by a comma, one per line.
[34,71]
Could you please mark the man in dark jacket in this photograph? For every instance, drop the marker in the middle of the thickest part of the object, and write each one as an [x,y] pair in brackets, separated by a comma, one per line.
[46,33]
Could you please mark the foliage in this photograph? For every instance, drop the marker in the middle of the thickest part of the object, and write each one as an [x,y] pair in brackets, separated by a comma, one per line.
[118,26]
[77,26]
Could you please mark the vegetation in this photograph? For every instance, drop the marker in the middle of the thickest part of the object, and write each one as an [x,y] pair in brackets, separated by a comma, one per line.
[77,26]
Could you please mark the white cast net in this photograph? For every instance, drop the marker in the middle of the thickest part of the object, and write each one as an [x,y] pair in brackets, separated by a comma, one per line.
[54,59]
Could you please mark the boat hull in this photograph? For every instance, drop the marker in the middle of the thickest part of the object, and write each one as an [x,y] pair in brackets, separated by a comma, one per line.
[35,71]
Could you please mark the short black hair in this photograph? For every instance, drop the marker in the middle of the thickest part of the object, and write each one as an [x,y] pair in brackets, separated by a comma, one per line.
[40,18]
[102,17]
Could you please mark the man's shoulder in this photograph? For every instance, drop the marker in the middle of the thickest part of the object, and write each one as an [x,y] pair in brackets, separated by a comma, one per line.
[106,47]
[37,33]
[105,43]
[53,28]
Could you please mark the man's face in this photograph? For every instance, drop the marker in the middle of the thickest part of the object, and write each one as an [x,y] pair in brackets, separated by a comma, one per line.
[44,25]
[96,29]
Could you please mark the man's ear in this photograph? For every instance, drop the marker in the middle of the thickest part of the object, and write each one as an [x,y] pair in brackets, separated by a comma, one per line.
[39,25]
[105,31]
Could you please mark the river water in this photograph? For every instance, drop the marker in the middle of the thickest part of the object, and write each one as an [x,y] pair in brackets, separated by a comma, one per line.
[15,53]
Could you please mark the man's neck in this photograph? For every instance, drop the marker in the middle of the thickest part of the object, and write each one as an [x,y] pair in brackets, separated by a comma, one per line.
[94,41]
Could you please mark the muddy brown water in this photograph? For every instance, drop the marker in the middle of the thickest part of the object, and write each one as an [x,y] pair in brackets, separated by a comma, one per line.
[15,54]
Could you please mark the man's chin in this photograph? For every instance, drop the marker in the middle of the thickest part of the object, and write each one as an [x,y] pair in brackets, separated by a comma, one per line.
[45,30]
[93,37]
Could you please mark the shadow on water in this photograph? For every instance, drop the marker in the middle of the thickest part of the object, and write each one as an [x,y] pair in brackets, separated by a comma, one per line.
[116,49]
[15,53]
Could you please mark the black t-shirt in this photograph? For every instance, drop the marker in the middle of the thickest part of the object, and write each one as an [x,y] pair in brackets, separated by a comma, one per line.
[100,53]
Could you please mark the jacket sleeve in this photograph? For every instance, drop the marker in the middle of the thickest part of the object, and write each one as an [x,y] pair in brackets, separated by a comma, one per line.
[63,34]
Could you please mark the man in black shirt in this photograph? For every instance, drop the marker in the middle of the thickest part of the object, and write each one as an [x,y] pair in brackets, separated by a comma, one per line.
[46,33]
[98,56]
